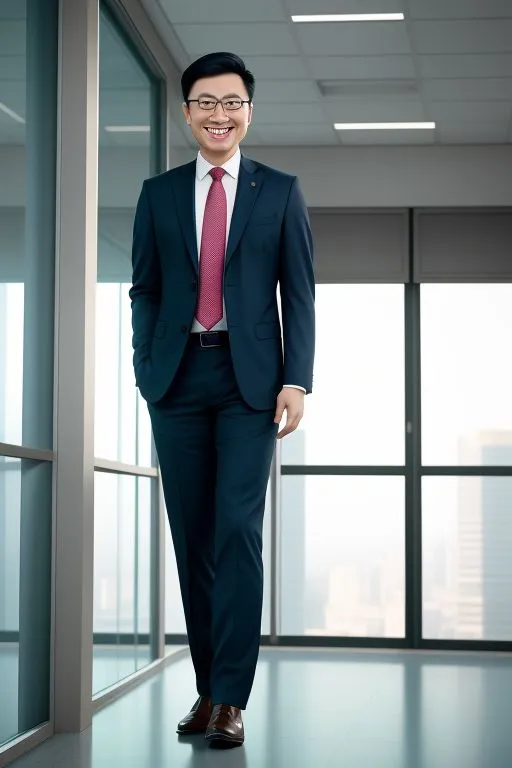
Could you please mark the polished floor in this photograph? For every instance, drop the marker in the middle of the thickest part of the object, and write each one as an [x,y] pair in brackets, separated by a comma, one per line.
[315,709]
[111,663]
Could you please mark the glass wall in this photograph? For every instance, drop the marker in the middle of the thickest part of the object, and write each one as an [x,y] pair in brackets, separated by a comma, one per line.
[396,489]
[28,129]
[356,415]
[122,544]
[467,423]
[124,514]
[343,556]
[342,548]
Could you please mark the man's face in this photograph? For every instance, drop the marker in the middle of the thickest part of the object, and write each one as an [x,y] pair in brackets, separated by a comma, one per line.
[219,131]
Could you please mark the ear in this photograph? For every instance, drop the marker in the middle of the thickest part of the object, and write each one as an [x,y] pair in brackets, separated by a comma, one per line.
[186,112]
[251,110]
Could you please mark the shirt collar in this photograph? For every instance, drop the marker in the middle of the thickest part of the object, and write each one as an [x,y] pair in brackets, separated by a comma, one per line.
[203,167]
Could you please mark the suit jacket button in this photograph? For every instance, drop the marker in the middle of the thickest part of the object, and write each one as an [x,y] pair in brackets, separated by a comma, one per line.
[184,329]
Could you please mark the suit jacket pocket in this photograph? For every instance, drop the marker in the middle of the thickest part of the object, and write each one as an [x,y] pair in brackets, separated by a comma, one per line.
[270,330]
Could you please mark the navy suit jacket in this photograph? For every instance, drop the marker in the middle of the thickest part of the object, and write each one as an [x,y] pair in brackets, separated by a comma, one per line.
[269,243]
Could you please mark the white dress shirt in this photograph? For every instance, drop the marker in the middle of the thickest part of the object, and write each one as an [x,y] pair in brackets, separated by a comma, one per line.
[203,183]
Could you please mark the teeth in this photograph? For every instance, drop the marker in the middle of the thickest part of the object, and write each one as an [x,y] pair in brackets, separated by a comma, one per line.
[218,131]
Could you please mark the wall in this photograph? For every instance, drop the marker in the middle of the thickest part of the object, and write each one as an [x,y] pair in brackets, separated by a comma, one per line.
[398,176]
[346,177]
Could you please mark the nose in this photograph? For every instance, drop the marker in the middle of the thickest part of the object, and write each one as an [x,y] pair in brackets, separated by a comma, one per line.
[220,116]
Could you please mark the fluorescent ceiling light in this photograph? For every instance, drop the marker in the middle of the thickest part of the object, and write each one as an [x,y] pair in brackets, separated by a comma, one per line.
[384,126]
[127,128]
[12,114]
[330,17]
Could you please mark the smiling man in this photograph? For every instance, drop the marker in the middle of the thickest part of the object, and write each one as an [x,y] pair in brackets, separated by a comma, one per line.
[213,240]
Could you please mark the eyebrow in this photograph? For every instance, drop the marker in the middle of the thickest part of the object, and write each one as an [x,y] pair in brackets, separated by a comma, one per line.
[211,96]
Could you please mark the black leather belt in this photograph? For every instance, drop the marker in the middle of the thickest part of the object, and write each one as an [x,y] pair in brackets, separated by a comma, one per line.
[208,339]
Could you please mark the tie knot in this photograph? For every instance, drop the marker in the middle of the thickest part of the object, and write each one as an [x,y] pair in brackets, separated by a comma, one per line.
[217,173]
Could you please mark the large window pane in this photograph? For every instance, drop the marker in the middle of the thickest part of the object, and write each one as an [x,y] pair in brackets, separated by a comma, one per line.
[466,374]
[28,131]
[356,414]
[342,556]
[127,136]
[122,554]
[467,557]
[28,136]
[25,594]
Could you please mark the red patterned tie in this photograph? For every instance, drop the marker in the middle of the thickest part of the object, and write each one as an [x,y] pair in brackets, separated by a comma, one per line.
[213,250]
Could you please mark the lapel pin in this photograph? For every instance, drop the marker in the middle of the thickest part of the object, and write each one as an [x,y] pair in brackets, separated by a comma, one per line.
[253,183]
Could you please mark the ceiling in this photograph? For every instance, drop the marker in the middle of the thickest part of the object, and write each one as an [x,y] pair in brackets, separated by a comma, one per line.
[449,62]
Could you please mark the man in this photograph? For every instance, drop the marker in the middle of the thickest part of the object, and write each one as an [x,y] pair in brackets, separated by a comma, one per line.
[212,241]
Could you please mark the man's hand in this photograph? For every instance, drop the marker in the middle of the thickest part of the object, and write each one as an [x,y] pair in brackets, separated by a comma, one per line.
[292,401]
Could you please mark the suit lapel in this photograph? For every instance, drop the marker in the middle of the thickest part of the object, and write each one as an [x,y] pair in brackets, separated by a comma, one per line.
[250,182]
[184,197]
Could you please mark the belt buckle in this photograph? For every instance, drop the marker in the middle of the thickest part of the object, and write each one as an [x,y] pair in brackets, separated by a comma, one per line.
[207,333]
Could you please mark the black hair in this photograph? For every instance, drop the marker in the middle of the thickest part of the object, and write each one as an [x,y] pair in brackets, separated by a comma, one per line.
[216,64]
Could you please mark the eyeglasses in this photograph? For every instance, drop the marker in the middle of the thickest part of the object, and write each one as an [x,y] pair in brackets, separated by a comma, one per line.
[210,105]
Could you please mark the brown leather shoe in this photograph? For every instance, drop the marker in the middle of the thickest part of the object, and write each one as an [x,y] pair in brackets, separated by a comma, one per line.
[198,718]
[226,728]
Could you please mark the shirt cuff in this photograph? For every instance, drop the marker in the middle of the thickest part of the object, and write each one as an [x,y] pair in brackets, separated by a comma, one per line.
[295,386]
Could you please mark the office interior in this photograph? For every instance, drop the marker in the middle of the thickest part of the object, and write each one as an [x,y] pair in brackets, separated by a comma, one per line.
[387,620]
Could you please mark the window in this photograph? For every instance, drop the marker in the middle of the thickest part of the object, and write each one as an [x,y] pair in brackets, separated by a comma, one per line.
[28,130]
[125,504]
[356,415]
[466,374]
[342,556]
[122,555]
[467,582]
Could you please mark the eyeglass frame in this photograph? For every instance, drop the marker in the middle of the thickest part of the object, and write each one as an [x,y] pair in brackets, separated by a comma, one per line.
[218,101]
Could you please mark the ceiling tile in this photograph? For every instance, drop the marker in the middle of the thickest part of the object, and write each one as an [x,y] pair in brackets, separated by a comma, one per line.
[468,90]
[470,112]
[295,134]
[476,132]
[467,65]
[361,67]
[459,9]
[275,114]
[375,111]
[354,39]
[299,7]
[248,39]
[386,138]
[222,11]
[283,67]
[486,36]
[282,91]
